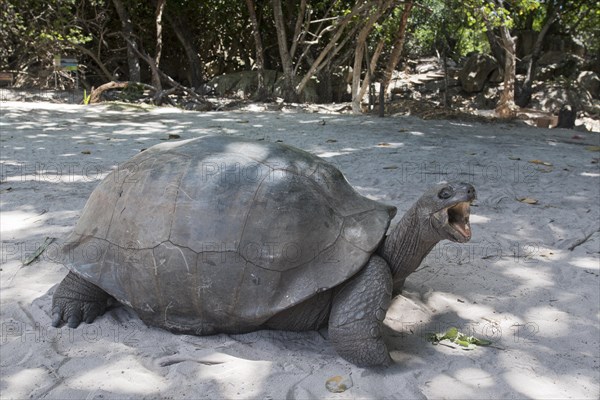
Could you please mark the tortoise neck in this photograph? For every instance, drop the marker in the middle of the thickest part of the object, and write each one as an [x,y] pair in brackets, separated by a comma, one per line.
[406,247]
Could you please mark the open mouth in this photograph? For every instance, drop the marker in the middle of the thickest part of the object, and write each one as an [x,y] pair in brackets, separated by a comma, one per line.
[458,219]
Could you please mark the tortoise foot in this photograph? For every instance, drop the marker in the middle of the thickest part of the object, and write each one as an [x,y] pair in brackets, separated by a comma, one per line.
[357,314]
[76,300]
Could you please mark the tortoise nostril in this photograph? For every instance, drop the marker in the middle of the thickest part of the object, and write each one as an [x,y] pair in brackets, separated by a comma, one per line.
[469,188]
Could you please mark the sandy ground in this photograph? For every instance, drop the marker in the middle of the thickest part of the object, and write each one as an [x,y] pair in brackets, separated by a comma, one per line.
[528,281]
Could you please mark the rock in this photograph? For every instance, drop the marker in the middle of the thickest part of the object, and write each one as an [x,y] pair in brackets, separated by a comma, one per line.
[243,84]
[476,72]
[427,67]
[592,64]
[198,105]
[554,64]
[308,95]
[551,57]
[566,117]
[553,96]
[564,44]
[590,81]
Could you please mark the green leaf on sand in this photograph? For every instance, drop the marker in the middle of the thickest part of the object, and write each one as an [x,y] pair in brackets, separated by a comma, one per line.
[454,336]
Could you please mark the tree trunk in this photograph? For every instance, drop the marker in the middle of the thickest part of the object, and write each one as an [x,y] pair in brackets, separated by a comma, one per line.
[495,46]
[298,29]
[160,6]
[398,47]
[333,46]
[372,66]
[132,58]
[97,92]
[261,93]
[97,60]
[506,106]
[289,93]
[196,70]
[359,53]
[524,96]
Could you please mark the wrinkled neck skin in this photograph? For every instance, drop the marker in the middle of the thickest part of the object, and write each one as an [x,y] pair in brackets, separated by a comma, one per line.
[408,244]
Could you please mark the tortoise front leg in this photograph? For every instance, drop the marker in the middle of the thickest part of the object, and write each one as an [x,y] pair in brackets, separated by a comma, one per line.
[357,314]
[76,300]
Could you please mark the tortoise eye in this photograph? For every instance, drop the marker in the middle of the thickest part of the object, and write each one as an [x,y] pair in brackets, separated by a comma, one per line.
[445,193]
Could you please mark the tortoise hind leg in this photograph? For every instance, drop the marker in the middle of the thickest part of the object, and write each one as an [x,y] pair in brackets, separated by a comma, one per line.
[357,314]
[77,300]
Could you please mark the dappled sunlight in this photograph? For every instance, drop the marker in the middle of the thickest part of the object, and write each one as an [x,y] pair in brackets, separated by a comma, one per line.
[546,387]
[586,263]
[229,119]
[372,193]
[40,106]
[558,231]
[391,145]
[17,220]
[529,276]
[53,176]
[590,174]
[317,120]
[230,375]
[579,198]
[550,322]
[475,378]
[479,219]
[126,376]
[441,382]
[461,124]
[19,384]
[329,154]
[258,150]
[474,313]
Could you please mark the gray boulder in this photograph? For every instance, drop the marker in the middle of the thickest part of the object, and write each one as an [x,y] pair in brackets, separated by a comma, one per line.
[590,81]
[478,69]
[243,84]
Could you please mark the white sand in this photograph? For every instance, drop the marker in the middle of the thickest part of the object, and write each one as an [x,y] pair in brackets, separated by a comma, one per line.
[516,283]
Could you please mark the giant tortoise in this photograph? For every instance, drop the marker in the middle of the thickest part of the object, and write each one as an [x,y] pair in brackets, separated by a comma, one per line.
[224,234]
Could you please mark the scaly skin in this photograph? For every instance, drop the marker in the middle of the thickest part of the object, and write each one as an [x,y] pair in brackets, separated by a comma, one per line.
[76,300]
[358,309]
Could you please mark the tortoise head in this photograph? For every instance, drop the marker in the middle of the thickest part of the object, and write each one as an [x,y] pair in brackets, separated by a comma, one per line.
[446,209]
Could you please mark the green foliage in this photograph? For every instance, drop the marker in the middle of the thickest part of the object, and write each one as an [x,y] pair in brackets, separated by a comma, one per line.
[454,336]
[440,24]
[86,97]
[581,18]
[33,31]
[131,93]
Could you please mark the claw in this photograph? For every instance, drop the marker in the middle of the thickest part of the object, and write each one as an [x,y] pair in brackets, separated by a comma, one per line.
[74,321]
[76,300]
[57,317]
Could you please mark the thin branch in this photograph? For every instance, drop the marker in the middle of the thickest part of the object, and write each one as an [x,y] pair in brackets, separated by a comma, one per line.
[581,241]
[298,27]
[97,92]
[96,59]
[325,19]
[341,27]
